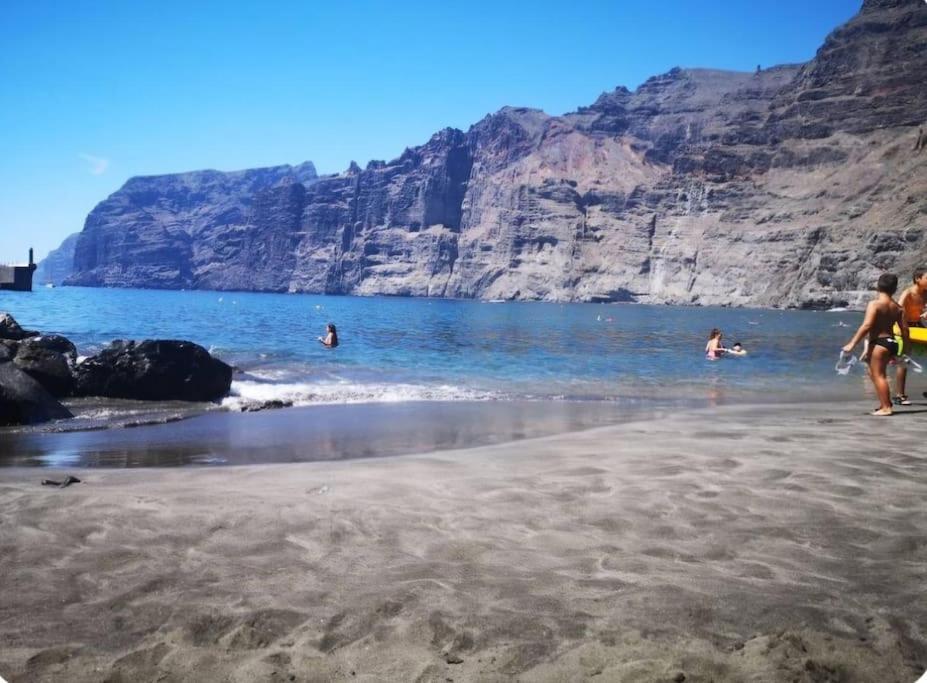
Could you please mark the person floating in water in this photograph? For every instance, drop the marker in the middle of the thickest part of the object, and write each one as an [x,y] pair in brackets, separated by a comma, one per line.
[330,340]
[714,348]
[912,300]
[882,314]
[736,350]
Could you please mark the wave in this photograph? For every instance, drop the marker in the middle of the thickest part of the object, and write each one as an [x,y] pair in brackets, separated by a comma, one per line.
[249,393]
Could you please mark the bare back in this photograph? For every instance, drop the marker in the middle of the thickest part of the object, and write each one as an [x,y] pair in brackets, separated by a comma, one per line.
[882,315]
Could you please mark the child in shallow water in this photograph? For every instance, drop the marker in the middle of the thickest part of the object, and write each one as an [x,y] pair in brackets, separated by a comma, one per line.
[736,350]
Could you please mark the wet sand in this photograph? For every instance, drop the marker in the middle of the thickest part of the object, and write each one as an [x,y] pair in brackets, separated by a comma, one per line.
[310,434]
[738,544]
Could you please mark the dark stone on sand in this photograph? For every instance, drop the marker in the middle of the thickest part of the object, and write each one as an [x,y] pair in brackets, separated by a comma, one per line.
[154,370]
[64,483]
[679,678]
[10,329]
[48,360]
[273,404]
[24,401]
[452,659]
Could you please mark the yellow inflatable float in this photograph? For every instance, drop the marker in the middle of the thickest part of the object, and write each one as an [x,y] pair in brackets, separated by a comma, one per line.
[918,336]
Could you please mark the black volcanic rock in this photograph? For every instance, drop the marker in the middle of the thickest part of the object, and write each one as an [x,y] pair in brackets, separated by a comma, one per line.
[24,401]
[154,370]
[10,329]
[48,360]
[701,186]
[7,350]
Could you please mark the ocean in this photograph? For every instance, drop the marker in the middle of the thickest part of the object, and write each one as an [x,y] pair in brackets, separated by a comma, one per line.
[595,362]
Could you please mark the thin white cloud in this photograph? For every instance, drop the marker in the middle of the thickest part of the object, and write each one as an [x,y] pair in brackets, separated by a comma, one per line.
[96,165]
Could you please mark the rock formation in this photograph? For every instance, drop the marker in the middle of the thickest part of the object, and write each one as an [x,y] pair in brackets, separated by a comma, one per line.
[24,401]
[789,186]
[11,330]
[154,370]
[58,265]
[35,369]
[50,360]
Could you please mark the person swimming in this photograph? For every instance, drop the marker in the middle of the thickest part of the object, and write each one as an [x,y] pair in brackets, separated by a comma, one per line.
[331,337]
[714,348]
[736,350]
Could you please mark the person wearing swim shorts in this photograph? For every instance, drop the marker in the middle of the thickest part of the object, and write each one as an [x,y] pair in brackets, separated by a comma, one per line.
[912,300]
[882,314]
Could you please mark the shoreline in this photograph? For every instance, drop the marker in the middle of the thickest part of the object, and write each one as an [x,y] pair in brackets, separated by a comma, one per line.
[158,435]
[849,308]
[324,433]
[758,543]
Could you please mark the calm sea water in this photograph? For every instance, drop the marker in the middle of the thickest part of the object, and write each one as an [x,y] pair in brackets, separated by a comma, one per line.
[397,349]
[431,374]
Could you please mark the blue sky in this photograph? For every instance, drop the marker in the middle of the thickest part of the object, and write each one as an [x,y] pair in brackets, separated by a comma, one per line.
[94,93]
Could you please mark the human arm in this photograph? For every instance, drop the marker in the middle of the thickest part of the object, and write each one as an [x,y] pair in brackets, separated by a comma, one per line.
[863,330]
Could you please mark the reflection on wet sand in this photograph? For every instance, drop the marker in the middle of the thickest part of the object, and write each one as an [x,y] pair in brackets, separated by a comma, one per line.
[311,434]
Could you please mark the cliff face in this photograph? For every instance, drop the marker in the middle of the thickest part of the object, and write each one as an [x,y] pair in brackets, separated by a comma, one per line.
[794,185]
[158,231]
[58,265]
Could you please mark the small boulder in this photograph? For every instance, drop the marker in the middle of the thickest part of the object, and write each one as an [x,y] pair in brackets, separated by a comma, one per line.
[272,404]
[54,342]
[48,360]
[154,370]
[24,401]
[10,329]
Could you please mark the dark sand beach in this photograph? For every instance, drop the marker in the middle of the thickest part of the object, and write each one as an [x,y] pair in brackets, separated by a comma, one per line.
[766,543]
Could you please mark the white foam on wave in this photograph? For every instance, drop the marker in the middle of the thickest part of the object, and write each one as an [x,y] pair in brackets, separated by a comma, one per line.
[271,374]
[246,393]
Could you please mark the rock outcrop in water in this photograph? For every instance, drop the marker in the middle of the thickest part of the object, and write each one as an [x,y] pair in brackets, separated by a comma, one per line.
[37,369]
[50,360]
[24,401]
[154,370]
[791,186]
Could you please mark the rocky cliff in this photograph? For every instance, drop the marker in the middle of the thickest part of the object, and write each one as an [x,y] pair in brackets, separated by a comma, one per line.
[58,265]
[790,186]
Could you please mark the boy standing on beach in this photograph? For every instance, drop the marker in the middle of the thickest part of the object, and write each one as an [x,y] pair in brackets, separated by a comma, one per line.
[912,301]
[881,316]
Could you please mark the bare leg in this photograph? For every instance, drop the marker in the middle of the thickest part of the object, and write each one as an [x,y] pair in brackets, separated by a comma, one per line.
[901,377]
[878,362]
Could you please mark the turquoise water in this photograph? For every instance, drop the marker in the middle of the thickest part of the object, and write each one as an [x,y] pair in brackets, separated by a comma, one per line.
[398,349]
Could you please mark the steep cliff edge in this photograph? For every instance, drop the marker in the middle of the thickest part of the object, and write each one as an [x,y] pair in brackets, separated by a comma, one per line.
[790,186]
[155,230]
[58,265]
